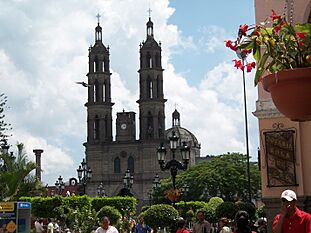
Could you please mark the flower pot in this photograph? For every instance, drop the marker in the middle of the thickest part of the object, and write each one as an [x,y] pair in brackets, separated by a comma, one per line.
[291,92]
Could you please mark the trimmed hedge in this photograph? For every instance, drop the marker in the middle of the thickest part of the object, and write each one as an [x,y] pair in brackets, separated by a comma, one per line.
[45,207]
[112,213]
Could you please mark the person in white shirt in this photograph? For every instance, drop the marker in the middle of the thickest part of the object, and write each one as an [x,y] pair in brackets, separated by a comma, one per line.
[106,227]
[51,226]
[39,226]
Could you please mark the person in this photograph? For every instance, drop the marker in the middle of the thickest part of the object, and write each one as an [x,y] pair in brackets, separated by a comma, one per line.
[141,227]
[39,226]
[262,225]
[223,224]
[290,218]
[106,227]
[51,226]
[242,222]
[181,226]
[201,226]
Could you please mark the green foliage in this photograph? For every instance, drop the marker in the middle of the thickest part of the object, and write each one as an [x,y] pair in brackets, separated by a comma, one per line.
[248,207]
[226,209]
[224,175]
[161,215]
[261,212]
[112,213]
[210,209]
[4,127]
[13,172]
[125,205]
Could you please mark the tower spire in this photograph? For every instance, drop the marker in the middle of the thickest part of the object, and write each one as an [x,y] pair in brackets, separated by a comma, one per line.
[98,18]
[98,30]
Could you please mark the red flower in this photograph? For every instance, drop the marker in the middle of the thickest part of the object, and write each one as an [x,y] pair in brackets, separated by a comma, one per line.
[301,45]
[301,35]
[276,28]
[274,16]
[250,66]
[243,29]
[246,51]
[256,33]
[231,45]
[238,64]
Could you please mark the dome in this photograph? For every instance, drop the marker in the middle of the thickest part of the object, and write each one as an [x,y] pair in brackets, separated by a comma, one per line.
[184,135]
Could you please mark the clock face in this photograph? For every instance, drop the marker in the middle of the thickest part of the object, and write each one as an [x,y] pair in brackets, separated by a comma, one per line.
[123,126]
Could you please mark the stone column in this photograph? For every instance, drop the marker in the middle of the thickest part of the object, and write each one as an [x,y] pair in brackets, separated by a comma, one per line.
[38,153]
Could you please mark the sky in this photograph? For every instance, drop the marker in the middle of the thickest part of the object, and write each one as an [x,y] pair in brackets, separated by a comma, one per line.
[44,51]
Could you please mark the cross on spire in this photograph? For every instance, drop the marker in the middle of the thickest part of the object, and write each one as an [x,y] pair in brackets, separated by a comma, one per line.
[149,11]
[175,106]
[98,17]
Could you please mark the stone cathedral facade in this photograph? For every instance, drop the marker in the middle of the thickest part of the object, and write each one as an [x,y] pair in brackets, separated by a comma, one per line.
[108,158]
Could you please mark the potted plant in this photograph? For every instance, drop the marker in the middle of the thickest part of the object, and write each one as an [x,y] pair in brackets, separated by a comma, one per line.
[283,62]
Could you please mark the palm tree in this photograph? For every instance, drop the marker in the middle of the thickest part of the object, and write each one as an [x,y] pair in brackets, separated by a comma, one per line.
[13,172]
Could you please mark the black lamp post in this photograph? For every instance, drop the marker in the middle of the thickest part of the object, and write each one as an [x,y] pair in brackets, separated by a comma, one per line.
[156,185]
[174,165]
[60,185]
[84,174]
[101,190]
[128,180]
[185,190]
[243,56]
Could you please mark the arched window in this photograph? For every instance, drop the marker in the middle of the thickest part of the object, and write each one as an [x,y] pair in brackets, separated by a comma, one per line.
[130,164]
[149,88]
[158,87]
[96,127]
[117,165]
[96,91]
[97,65]
[149,125]
[148,60]
[157,60]
[104,92]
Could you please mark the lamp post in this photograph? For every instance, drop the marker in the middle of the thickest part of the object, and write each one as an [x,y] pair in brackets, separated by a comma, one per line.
[84,174]
[174,165]
[156,184]
[101,190]
[60,185]
[185,190]
[128,180]
[243,56]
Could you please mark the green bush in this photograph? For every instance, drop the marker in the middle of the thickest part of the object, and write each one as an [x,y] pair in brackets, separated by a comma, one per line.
[161,215]
[226,209]
[112,213]
[261,212]
[248,207]
[184,207]
[125,205]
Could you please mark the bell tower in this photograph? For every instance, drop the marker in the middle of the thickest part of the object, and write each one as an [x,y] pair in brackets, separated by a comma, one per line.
[99,105]
[151,99]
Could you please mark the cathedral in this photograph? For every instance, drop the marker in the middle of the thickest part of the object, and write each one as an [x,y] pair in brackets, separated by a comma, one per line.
[110,157]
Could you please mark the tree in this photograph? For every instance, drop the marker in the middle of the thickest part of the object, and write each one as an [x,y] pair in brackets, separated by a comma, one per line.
[224,176]
[4,127]
[13,172]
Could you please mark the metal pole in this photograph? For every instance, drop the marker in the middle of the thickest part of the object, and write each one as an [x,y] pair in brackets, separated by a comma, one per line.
[246,135]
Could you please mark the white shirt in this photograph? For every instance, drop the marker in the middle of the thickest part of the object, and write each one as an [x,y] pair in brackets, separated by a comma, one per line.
[39,228]
[111,229]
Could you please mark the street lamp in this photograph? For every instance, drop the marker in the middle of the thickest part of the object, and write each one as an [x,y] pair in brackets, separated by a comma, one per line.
[174,165]
[84,174]
[60,185]
[185,190]
[101,190]
[128,180]
[156,185]
[243,56]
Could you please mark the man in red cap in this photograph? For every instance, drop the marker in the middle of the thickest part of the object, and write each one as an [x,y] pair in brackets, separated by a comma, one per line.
[291,219]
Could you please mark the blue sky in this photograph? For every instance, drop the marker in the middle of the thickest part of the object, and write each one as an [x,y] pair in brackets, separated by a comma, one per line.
[44,51]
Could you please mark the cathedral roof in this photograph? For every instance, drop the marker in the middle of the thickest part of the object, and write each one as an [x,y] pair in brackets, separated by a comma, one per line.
[184,135]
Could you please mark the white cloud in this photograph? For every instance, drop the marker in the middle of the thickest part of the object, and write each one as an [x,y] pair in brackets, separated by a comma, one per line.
[43,52]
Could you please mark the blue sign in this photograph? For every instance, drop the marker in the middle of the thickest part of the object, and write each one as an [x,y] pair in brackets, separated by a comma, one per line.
[23,205]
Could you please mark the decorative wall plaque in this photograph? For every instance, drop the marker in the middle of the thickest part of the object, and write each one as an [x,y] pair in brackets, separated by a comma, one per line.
[280,158]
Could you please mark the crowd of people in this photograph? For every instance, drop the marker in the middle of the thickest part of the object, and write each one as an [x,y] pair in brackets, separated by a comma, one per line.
[289,220]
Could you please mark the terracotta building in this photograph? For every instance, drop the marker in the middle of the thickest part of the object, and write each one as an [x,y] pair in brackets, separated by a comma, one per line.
[285,148]
[108,158]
